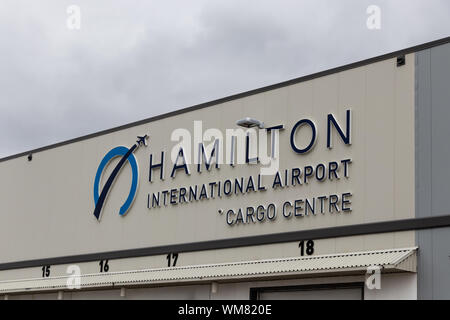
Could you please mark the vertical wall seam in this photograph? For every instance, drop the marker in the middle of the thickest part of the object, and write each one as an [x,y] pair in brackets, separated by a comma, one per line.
[416,168]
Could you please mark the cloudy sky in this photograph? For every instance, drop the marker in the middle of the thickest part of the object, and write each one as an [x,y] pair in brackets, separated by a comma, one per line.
[133,59]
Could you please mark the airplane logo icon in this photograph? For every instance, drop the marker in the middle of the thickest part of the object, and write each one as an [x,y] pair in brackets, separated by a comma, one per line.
[142,140]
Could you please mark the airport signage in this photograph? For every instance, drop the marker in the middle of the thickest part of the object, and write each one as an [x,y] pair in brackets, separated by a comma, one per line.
[244,148]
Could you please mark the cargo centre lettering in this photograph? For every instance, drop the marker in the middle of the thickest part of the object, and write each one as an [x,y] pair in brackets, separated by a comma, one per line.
[295,177]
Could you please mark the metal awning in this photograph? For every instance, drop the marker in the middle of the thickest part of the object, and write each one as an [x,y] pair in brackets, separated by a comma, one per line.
[392,260]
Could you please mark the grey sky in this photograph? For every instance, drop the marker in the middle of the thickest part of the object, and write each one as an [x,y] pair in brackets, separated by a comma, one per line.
[134,59]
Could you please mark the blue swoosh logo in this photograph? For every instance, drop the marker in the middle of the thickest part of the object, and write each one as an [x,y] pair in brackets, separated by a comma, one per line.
[127,155]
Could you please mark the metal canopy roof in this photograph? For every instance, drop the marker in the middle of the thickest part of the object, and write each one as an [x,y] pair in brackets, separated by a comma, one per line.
[392,260]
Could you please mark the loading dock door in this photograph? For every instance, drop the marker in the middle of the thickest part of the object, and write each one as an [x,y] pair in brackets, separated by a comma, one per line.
[350,291]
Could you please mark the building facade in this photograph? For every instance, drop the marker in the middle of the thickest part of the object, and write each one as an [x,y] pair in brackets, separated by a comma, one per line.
[330,186]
